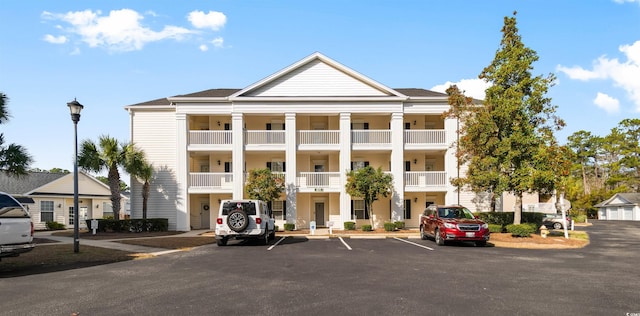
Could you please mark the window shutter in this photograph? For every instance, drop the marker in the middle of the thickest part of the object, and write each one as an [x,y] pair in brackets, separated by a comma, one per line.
[227,167]
[269,165]
[268,126]
[353,212]
[366,163]
[407,209]
[284,209]
[284,166]
[366,125]
[407,166]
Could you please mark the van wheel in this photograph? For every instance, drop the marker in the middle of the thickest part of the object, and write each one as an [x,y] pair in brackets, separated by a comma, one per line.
[237,220]
[222,241]
[422,235]
[439,239]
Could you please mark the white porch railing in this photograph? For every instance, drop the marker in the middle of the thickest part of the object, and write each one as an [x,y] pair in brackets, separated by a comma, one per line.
[264,137]
[212,180]
[427,136]
[318,137]
[425,178]
[209,137]
[371,136]
[319,180]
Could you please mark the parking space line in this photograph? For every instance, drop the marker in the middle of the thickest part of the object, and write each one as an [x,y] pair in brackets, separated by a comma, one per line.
[412,243]
[345,244]
[277,242]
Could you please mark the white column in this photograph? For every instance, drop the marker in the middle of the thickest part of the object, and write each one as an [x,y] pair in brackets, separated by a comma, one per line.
[182,173]
[451,161]
[397,166]
[345,165]
[237,155]
[290,175]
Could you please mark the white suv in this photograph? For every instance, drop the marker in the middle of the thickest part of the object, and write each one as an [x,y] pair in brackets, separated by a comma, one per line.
[16,228]
[244,219]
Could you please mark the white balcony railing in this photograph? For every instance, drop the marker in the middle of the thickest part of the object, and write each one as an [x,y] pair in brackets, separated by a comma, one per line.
[211,180]
[209,137]
[319,180]
[371,136]
[425,178]
[264,137]
[427,136]
[318,137]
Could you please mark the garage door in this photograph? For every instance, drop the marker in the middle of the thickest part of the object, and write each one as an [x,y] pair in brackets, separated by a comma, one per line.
[628,213]
[613,213]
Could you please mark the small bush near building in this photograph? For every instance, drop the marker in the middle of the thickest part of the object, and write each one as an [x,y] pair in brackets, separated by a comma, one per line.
[55,226]
[366,228]
[495,228]
[289,226]
[520,230]
[399,225]
[132,225]
[580,218]
[389,227]
[349,225]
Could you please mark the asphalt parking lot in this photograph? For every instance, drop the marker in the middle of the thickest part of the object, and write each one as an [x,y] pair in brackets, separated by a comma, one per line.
[296,275]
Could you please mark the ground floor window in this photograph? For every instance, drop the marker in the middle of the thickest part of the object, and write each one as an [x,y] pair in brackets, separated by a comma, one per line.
[46,211]
[279,210]
[358,209]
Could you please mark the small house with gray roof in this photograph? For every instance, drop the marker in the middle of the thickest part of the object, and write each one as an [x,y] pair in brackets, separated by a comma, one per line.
[621,206]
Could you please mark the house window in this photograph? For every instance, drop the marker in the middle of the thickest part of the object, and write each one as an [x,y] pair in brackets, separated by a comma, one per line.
[278,208]
[276,166]
[355,165]
[359,209]
[46,211]
[107,210]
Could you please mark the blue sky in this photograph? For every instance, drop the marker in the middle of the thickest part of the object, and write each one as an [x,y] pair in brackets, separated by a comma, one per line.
[109,54]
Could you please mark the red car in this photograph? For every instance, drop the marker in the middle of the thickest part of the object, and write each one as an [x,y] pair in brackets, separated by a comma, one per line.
[452,223]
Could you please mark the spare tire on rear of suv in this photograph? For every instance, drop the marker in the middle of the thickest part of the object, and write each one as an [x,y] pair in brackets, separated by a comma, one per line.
[237,220]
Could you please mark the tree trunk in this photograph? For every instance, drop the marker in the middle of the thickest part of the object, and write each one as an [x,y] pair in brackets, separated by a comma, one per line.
[370,211]
[517,212]
[114,185]
[145,198]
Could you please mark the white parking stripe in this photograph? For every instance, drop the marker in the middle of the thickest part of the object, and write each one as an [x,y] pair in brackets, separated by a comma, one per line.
[277,242]
[345,244]
[412,243]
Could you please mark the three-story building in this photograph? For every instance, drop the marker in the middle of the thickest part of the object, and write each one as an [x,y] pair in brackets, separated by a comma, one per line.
[309,123]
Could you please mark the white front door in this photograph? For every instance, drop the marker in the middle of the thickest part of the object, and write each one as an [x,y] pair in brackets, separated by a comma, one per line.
[205,215]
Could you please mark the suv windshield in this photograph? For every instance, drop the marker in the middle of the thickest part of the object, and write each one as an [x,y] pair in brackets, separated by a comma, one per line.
[248,207]
[10,208]
[455,212]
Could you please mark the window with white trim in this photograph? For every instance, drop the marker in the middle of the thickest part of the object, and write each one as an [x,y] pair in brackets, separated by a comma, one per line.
[278,209]
[359,209]
[46,211]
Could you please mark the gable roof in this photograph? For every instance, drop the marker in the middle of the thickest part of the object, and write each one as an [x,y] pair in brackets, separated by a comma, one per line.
[22,185]
[621,199]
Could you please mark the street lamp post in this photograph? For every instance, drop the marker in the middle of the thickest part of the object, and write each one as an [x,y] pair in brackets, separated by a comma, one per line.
[75,107]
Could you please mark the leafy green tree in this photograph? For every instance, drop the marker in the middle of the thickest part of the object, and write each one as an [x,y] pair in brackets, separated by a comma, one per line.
[136,165]
[14,159]
[263,185]
[368,184]
[109,155]
[585,147]
[123,185]
[501,140]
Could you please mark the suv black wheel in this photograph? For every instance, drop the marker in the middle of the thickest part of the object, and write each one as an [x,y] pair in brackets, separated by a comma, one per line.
[272,236]
[438,238]
[265,238]
[422,235]
[237,220]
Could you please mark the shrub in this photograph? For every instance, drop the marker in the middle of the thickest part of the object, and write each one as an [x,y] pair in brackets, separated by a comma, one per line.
[580,218]
[495,228]
[389,227]
[55,226]
[399,225]
[289,226]
[277,228]
[520,230]
[349,225]
[132,225]
[366,228]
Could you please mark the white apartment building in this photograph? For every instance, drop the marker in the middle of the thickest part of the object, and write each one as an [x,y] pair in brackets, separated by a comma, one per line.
[310,123]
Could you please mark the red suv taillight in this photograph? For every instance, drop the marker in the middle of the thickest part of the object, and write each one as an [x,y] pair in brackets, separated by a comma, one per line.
[219,221]
[258,220]
[32,230]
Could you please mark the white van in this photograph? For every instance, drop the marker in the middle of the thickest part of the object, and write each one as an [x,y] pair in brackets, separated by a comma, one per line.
[16,228]
[244,219]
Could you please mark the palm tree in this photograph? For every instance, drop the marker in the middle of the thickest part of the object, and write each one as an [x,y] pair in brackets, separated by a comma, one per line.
[14,159]
[110,155]
[137,166]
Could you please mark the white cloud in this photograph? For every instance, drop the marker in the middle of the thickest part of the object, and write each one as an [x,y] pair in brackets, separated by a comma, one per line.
[218,42]
[203,47]
[623,1]
[55,40]
[474,88]
[119,31]
[622,74]
[609,104]
[213,20]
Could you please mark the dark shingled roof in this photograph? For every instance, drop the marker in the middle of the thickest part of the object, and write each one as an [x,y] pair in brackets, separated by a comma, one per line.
[23,184]
[222,93]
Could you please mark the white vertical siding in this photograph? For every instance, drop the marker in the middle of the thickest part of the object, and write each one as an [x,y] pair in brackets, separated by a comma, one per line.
[155,134]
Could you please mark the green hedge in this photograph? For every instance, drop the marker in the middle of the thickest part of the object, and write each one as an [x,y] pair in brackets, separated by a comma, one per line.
[349,225]
[506,218]
[132,225]
[366,228]
[389,227]
[289,226]
[521,230]
[399,225]
[55,226]
[495,228]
